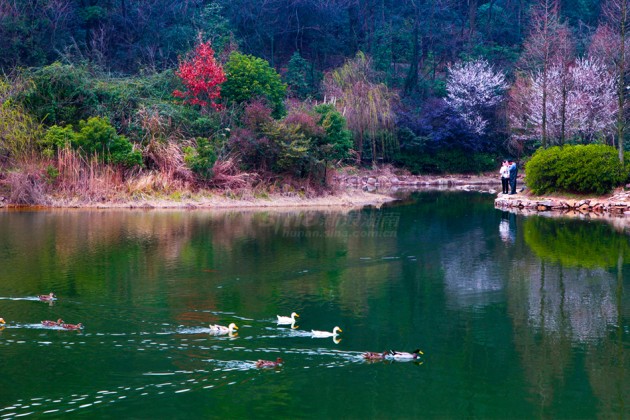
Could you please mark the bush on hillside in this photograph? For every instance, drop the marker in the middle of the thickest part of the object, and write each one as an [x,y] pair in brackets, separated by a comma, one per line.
[17,127]
[582,169]
[249,78]
[59,94]
[201,159]
[96,136]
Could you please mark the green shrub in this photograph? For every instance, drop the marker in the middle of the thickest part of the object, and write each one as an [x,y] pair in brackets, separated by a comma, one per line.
[96,136]
[201,159]
[57,138]
[337,142]
[582,169]
[250,77]
[17,128]
[60,94]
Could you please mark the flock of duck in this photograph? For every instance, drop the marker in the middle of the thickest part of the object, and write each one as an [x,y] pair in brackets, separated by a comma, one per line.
[47,323]
[290,320]
[217,329]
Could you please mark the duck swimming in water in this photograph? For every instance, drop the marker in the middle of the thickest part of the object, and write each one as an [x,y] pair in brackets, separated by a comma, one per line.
[269,363]
[2,322]
[57,323]
[370,355]
[78,326]
[402,355]
[48,297]
[285,320]
[220,329]
[319,334]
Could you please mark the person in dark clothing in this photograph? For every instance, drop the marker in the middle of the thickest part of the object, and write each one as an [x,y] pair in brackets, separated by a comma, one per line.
[513,173]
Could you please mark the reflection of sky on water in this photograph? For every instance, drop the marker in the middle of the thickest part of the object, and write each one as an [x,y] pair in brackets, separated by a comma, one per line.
[471,277]
[578,302]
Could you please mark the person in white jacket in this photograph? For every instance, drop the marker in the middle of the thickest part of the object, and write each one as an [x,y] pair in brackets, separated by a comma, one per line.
[505,177]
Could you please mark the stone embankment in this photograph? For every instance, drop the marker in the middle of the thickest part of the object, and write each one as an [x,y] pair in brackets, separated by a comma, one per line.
[615,205]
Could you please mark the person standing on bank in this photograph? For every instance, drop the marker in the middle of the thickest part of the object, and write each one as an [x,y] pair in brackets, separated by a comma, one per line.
[505,177]
[513,173]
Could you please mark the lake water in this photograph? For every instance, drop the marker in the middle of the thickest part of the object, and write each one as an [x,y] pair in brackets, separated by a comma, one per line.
[517,317]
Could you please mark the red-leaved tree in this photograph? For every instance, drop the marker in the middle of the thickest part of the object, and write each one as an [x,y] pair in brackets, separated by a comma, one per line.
[202,76]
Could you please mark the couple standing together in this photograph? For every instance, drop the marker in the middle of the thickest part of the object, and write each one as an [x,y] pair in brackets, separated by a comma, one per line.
[508,172]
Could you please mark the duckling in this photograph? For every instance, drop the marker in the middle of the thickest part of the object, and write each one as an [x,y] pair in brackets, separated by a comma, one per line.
[370,355]
[285,320]
[402,355]
[78,326]
[57,323]
[220,329]
[48,297]
[269,363]
[2,321]
[334,332]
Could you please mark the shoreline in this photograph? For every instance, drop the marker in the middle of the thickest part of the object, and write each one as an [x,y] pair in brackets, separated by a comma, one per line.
[356,190]
[373,188]
[343,200]
[613,205]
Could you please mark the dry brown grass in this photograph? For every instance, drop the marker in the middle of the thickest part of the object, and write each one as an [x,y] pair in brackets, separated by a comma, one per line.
[86,178]
[167,157]
[228,176]
[26,184]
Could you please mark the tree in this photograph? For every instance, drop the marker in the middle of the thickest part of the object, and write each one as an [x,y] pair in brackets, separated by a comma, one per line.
[249,77]
[541,50]
[474,88]
[580,104]
[202,76]
[337,142]
[366,104]
[300,77]
[610,44]
[592,101]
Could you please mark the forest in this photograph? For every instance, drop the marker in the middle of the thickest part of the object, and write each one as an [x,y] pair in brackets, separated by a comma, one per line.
[159,95]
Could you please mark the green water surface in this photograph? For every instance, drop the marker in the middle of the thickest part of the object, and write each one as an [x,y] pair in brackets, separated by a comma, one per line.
[517,317]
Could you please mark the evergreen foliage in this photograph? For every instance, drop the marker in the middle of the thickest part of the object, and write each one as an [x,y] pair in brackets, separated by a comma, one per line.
[201,159]
[592,168]
[94,137]
[249,77]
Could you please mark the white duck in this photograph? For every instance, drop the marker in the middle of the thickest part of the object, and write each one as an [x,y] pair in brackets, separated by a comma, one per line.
[321,334]
[220,329]
[285,320]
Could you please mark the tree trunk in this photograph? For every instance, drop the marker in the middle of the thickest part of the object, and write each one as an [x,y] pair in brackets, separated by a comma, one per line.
[411,82]
[544,108]
[472,20]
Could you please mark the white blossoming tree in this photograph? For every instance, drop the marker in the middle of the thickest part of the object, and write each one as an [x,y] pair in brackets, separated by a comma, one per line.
[474,89]
[592,101]
[581,105]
